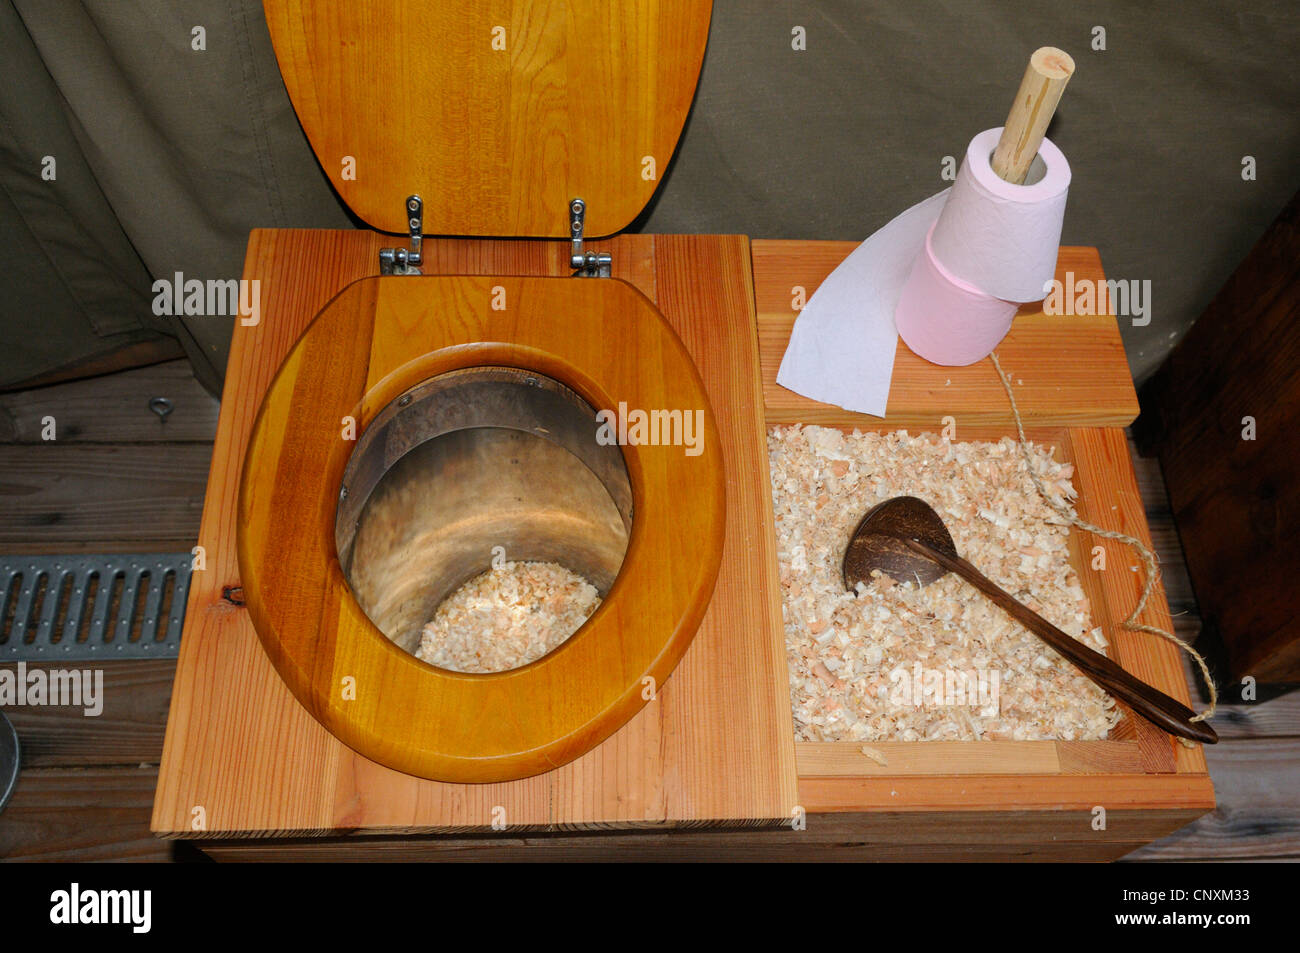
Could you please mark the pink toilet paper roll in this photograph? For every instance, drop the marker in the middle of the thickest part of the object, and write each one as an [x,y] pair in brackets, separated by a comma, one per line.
[993,245]
[999,237]
[947,320]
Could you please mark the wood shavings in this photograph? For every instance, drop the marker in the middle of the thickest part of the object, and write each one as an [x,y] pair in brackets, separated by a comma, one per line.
[507,617]
[900,662]
[876,755]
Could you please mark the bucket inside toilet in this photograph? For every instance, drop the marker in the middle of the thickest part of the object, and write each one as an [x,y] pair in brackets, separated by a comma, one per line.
[481,521]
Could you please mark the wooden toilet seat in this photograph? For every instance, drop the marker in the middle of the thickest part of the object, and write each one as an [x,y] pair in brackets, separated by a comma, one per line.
[378,338]
[471,119]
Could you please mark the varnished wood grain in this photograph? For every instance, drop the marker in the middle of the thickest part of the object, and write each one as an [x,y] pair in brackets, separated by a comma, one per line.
[1255,817]
[1112,756]
[846,759]
[1067,370]
[1062,792]
[715,746]
[379,338]
[1108,497]
[360,795]
[495,141]
[952,758]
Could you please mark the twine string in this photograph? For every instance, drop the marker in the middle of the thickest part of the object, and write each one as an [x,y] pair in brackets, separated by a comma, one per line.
[1148,558]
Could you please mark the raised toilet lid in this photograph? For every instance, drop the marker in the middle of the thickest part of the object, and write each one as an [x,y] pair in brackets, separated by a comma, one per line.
[372,343]
[496,114]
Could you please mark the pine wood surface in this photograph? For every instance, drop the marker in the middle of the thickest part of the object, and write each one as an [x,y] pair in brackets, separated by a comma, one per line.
[1069,369]
[376,340]
[715,747]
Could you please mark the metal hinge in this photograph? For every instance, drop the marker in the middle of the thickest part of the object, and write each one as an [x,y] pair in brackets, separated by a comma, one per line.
[585,264]
[404,261]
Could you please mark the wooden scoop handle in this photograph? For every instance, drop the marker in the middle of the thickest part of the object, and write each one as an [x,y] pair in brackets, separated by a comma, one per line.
[1035,103]
[1154,705]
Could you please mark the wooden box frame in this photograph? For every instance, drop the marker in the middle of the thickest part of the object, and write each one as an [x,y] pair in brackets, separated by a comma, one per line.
[932,800]
[1074,393]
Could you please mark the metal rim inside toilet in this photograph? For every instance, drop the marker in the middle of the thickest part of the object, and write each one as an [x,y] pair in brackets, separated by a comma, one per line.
[469,467]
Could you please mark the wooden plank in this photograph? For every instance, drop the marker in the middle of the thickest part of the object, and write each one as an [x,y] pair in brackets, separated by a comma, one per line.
[1275,712]
[97,814]
[1258,814]
[897,759]
[1100,757]
[744,622]
[98,498]
[988,836]
[1073,368]
[240,746]
[129,731]
[114,409]
[1108,617]
[1108,497]
[923,793]
[1238,369]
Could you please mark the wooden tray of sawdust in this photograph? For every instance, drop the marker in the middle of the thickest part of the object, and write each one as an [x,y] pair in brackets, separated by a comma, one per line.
[1074,393]
[893,660]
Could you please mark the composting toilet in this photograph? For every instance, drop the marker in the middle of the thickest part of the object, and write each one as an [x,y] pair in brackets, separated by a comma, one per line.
[424,425]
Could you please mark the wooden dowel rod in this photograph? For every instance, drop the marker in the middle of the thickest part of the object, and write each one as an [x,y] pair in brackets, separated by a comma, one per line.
[1044,81]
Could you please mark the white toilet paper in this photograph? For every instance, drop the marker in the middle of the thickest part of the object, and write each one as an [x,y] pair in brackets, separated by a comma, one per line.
[841,350]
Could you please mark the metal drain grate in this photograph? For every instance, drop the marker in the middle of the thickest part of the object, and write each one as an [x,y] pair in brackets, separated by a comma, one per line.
[92,607]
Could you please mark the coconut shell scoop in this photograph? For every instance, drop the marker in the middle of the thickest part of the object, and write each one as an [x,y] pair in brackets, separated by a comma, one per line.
[906,539]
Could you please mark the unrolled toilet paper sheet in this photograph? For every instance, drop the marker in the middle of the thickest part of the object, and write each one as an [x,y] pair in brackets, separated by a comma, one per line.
[841,350]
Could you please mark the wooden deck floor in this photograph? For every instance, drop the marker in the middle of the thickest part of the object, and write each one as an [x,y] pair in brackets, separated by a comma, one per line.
[119,479]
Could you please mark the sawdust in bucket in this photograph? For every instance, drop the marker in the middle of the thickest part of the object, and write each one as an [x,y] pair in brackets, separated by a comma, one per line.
[506,617]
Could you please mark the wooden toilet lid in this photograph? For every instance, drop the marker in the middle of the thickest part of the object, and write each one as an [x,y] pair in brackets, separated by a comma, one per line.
[375,340]
[496,114]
